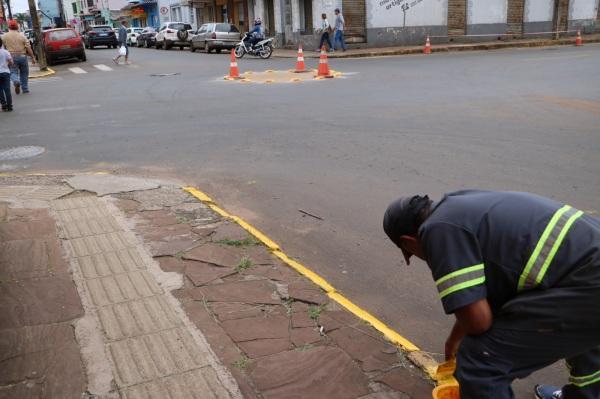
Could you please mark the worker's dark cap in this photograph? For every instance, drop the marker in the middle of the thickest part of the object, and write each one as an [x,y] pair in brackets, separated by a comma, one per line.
[401,217]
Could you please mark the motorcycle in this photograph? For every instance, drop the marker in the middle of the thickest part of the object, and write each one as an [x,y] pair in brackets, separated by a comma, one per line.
[262,49]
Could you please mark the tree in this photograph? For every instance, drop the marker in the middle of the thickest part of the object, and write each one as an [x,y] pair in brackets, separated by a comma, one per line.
[22,19]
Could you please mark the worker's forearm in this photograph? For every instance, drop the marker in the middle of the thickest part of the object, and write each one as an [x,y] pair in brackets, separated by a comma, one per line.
[453,342]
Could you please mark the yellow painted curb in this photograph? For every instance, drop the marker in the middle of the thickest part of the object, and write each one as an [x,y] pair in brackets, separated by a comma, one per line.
[49,72]
[418,357]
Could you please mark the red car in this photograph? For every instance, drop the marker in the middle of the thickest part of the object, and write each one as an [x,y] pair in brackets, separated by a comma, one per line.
[62,43]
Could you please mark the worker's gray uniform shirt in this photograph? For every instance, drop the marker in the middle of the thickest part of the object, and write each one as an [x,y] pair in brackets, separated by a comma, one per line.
[480,244]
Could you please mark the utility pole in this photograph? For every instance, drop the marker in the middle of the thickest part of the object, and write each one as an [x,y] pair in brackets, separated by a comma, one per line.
[2,9]
[9,10]
[39,47]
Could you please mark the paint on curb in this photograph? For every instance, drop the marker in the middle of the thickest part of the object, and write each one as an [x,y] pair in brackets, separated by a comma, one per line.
[49,72]
[421,359]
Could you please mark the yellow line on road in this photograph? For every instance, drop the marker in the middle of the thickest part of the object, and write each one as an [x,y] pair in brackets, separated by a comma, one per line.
[356,310]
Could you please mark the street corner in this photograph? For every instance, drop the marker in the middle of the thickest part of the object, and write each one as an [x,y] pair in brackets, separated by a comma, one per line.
[35,72]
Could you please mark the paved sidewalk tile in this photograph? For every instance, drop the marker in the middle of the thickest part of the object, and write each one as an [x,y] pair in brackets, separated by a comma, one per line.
[197,384]
[153,353]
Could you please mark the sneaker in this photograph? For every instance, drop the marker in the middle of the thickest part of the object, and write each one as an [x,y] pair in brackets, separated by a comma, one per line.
[4,107]
[547,392]
[9,108]
[25,91]
[18,88]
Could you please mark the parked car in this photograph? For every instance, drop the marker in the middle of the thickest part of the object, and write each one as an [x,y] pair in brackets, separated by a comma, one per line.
[62,43]
[171,34]
[147,37]
[100,35]
[215,36]
[132,35]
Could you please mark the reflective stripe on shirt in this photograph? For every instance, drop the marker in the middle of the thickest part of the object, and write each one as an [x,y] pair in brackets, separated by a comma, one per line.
[461,279]
[585,380]
[547,246]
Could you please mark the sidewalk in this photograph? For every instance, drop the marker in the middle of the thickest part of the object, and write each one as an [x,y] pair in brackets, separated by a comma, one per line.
[149,260]
[404,50]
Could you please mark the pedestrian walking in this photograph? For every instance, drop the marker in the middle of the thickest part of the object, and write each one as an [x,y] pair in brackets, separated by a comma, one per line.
[338,35]
[122,38]
[521,274]
[5,64]
[19,48]
[325,31]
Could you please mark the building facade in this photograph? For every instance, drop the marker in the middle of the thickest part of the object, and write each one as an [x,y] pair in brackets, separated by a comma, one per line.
[49,13]
[406,22]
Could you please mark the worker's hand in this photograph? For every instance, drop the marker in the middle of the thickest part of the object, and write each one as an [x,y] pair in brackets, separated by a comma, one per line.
[33,61]
[451,349]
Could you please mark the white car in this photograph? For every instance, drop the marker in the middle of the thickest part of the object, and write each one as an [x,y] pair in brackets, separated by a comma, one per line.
[132,34]
[176,34]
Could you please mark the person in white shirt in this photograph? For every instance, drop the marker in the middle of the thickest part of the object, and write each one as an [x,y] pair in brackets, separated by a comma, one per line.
[5,63]
[325,31]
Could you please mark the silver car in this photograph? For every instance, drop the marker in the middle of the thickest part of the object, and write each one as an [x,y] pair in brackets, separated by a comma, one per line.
[215,36]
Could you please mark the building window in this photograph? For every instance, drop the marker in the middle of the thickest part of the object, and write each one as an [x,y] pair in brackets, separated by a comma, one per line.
[306,17]
[74,5]
[90,3]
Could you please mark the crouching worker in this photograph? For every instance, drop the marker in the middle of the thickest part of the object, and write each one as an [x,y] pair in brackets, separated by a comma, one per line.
[521,274]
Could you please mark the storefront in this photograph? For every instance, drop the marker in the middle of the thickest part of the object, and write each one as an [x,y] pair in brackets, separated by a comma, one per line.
[142,13]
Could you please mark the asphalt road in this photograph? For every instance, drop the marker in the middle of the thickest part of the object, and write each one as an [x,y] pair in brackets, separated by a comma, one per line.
[342,149]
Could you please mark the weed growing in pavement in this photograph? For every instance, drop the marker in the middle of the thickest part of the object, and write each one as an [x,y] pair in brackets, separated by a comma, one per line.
[179,255]
[287,304]
[245,263]
[305,347]
[246,242]
[242,363]
[315,311]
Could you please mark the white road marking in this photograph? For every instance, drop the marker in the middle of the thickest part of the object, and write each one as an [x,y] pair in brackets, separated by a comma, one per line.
[103,67]
[67,108]
[77,70]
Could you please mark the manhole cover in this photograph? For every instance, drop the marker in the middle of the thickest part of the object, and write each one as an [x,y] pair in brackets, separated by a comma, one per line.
[12,153]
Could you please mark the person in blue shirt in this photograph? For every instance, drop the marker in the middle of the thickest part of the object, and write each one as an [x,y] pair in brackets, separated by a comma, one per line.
[256,34]
[521,274]
[122,39]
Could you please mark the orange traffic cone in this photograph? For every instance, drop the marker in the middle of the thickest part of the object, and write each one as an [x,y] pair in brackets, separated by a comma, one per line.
[234,73]
[579,40]
[323,71]
[427,49]
[300,67]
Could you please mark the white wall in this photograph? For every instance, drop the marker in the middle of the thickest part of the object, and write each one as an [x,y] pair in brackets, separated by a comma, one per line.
[538,10]
[486,12]
[389,13]
[327,7]
[583,9]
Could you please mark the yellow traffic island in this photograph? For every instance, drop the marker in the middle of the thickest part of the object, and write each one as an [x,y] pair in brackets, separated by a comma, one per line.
[271,76]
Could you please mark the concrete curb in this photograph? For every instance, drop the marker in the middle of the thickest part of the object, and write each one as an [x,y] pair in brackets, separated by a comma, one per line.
[43,74]
[393,51]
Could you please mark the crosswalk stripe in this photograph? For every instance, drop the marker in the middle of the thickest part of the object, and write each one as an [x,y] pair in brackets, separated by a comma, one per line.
[103,67]
[77,70]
